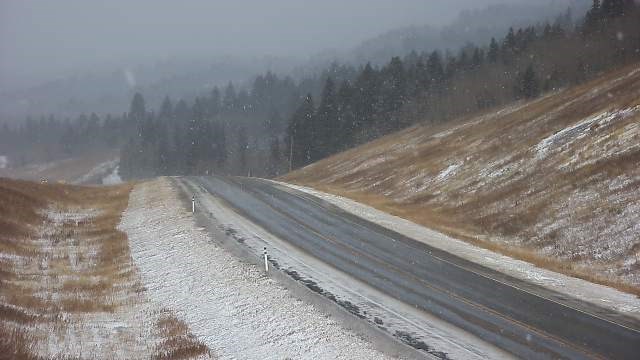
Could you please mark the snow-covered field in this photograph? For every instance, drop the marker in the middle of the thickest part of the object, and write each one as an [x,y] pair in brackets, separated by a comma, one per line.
[237,311]
[597,294]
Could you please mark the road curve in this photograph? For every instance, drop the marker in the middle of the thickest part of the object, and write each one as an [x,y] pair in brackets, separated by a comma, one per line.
[517,317]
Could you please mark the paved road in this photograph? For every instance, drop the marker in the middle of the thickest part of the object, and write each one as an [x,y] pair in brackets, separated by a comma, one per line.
[521,318]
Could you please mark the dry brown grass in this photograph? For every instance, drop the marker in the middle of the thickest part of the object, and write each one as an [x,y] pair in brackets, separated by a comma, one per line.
[15,344]
[505,213]
[23,207]
[65,261]
[178,342]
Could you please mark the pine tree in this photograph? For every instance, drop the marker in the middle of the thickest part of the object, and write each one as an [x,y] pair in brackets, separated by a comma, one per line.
[273,123]
[346,120]
[181,112]
[435,69]
[529,86]
[137,110]
[164,157]
[366,101]
[300,133]
[509,46]
[420,79]
[547,33]
[611,9]
[477,59]
[396,85]
[214,102]
[274,157]
[324,122]
[451,68]
[494,51]
[220,141]
[137,115]
[593,18]
[230,97]
[243,146]
[166,109]
[393,94]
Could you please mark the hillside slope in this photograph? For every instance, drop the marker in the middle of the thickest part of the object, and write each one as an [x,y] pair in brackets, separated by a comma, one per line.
[554,181]
[89,168]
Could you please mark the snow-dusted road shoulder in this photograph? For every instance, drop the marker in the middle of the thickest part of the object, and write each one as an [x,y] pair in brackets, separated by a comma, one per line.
[229,305]
[583,290]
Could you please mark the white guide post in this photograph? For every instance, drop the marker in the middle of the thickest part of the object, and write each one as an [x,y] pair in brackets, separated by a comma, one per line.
[193,204]
[266,260]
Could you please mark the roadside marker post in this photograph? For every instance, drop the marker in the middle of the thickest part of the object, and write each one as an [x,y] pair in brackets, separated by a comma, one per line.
[266,260]
[193,204]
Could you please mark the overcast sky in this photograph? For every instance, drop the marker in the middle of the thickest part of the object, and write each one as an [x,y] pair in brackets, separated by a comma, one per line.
[46,38]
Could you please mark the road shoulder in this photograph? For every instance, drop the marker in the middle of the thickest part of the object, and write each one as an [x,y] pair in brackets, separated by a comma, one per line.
[601,296]
[230,305]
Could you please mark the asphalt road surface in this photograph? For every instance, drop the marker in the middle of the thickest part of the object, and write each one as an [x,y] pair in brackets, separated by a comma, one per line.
[521,318]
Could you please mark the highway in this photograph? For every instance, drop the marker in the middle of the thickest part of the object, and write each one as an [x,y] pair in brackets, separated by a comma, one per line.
[524,320]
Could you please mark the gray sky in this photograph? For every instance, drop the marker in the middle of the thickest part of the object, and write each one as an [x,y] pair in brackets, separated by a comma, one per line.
[40,39]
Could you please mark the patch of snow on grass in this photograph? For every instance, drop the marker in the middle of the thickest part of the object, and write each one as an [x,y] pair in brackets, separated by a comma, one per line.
[97,171]
[38,168]
[369,163]
[450,170]
[579,130]
[496,169]
[113,178]
[68,332]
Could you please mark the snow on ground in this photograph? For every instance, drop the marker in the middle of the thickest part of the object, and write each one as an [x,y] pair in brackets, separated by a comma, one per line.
[97,172]
[38,168]
[229,305]
[70,290]
[450,170]
[120,334]
[597,294]
[367,303]
[566,136]
[113,178]
[4,161]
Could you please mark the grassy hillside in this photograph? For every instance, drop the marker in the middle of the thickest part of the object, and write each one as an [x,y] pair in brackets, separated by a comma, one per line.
[555,181]
[89,168]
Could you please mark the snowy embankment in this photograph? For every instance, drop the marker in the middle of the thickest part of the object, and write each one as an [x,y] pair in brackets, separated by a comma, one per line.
[113,178]
[603,296]
[231,306]
[104,170]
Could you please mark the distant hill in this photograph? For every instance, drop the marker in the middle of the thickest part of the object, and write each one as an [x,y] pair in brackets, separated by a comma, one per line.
[109,91]
[476,26]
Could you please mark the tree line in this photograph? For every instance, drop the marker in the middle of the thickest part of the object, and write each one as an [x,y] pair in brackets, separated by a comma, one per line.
[277,122]
[437,86]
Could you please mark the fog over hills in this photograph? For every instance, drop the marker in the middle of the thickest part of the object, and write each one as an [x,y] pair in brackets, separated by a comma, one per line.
[77,56]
